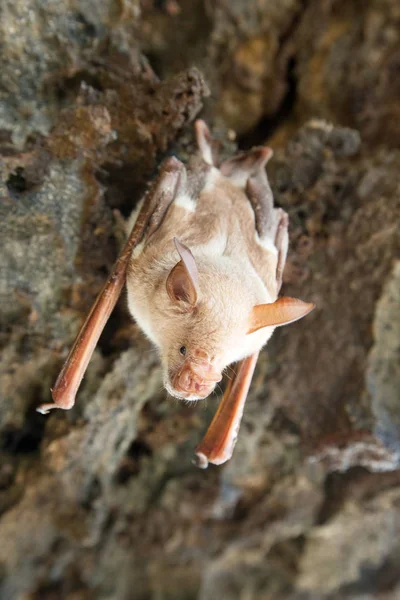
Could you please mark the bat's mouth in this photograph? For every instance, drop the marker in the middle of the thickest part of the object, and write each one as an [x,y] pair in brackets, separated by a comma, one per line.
[191,396]
[192,381]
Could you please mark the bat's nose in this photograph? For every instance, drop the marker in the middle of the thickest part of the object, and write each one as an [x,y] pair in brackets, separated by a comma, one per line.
[193,378]
[202,364]
[199,353]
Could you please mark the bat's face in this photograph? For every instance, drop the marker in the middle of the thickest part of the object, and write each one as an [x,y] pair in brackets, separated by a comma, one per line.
[197,348]
[193,375]
[193,350]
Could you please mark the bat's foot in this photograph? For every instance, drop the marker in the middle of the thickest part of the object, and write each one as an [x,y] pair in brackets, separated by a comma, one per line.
[170,181]
[260,196]
[281,236]
[44,409]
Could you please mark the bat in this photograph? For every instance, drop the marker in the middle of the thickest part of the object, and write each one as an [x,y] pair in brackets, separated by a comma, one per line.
[203,268]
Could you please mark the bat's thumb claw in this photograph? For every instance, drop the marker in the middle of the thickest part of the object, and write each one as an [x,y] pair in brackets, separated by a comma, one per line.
[44,409]
[200,460]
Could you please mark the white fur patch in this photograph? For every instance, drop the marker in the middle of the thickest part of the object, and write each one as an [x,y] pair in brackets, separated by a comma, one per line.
[141,315]
[186,202]
[211,179]
[214,248]
[133,216]
[239,178]
[137,251]
[267,244]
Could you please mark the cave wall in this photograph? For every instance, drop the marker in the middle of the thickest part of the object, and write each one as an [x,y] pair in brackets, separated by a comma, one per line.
[104,501]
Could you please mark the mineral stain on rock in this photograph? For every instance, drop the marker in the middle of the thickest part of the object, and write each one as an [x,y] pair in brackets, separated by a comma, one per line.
[104,502]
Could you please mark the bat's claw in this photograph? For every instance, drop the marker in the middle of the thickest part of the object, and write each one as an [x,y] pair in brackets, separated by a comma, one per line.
[44,409]
[200,460]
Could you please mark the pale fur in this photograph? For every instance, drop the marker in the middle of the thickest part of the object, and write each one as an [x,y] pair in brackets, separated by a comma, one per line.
[237,271]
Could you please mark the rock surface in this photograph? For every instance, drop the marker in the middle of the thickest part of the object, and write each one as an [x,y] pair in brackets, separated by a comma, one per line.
[103,501]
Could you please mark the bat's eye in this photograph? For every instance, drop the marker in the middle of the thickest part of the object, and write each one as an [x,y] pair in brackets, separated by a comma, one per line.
[182,350]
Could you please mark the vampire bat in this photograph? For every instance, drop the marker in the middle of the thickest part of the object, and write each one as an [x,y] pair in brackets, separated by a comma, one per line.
[203,268]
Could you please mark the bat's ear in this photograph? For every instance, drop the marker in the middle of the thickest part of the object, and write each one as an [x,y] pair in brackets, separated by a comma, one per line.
[183,281]
[281,312]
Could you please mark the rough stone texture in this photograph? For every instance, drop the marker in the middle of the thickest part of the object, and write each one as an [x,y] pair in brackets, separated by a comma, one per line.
[103,501]
[383,374]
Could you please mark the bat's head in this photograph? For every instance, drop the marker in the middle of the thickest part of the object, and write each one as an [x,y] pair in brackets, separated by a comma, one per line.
[194,333]
[210,325]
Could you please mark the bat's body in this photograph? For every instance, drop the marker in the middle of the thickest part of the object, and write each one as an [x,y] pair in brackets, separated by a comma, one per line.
[203,268]
[237,269]
[216,229]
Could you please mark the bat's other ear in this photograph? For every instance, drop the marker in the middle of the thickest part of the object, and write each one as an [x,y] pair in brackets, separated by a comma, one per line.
[283,311]
[204,142]
[183,281]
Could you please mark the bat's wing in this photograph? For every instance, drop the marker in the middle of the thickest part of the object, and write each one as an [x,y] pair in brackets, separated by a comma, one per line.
[218,443]
[149,219]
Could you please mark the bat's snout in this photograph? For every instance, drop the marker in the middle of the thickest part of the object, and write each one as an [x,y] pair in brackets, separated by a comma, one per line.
[195,380]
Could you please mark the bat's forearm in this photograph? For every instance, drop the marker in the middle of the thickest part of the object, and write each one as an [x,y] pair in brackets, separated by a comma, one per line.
[149,219]
[218,443]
